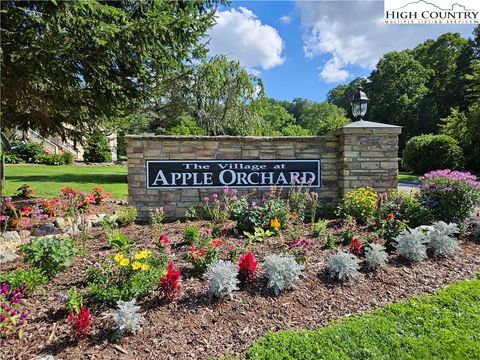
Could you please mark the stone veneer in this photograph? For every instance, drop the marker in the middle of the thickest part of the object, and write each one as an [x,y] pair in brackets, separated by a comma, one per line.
[360,154]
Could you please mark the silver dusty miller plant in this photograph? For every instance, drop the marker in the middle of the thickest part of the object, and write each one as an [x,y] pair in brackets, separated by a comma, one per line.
[411,244]
[127,317]
[282,272]
[375,256]
[441,240]
[222,279]
[343,266]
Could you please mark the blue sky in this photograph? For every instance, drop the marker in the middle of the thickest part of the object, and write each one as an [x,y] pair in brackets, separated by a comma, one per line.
[304,48]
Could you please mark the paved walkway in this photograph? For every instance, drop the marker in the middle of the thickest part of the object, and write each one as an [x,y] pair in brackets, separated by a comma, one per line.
[408,185]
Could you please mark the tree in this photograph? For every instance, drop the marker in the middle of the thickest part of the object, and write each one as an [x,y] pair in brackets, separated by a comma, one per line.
[447,57]
[342,95]
[321,118]
[81,62]
[396,89]
[275,115]
[97,148]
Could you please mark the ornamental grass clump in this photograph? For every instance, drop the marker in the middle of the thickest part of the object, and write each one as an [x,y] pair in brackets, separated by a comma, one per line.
[411,245]
[222,279]
[127,317]
[450,195]
[375,256]
[441,240]
[282,272]
[343,267]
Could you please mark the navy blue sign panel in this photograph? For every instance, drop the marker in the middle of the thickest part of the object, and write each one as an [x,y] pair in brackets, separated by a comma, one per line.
[181,174]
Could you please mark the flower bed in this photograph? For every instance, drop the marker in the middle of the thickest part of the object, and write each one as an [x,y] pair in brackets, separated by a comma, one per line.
[200,289]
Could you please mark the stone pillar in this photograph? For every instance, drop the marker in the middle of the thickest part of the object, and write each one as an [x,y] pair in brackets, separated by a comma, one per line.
[367,156]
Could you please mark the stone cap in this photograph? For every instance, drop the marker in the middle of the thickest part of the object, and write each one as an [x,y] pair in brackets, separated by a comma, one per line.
[327,137]
[367,127]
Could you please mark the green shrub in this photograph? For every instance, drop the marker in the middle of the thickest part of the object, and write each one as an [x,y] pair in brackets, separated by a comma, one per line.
[97,148]
[11,158]
[428,152]
[51,255]
[191,234]
[67,158]
[49,159]
[18,278]
[361,204]
[28,151]
[126,215]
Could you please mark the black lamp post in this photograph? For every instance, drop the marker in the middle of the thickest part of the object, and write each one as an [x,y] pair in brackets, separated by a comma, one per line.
[359,104]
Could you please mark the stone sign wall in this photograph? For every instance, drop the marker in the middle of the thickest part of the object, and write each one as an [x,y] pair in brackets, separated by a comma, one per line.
[176,172]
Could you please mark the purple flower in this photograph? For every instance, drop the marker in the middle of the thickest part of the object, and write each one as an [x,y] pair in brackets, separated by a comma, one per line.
[225,189]
[206,199]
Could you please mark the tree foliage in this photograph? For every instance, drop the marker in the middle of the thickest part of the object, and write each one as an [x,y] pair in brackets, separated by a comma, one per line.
[321,118]
[82,62]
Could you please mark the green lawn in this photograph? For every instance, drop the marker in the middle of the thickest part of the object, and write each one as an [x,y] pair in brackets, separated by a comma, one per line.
[48,180]
[442,326]
[403,176]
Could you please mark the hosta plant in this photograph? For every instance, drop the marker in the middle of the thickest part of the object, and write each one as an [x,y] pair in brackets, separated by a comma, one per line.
[375,256]
[127,317]
[222,279]
[411,245]
[343,267]
[282,272]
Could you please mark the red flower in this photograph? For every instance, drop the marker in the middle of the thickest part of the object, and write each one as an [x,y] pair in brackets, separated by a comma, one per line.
[247,268]
[90,198]
[170,283]
[355,246]
[26,211]
[164,240]
[80,323]
[390,217]
[217,243]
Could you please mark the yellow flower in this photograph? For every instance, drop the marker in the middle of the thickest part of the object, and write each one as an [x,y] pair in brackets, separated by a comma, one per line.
[118,257]
[145,267]
[142,254]
[136,265]
[275,223]
[124,262]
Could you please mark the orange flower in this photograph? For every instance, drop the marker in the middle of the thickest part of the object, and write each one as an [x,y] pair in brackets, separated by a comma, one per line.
[390,217]
[275,223]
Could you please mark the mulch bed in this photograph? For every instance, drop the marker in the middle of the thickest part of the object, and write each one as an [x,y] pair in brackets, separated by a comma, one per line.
[193,327]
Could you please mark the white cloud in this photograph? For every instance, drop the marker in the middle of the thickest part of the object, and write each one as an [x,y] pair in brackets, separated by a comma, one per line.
[352,33]
[240,35]
[332,71]
[285,19]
